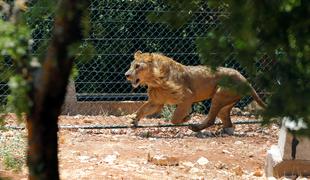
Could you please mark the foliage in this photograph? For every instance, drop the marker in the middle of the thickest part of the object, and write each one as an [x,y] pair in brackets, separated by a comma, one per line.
[176,16]
[18,101]
[15,44]
[278,29]
[14,40]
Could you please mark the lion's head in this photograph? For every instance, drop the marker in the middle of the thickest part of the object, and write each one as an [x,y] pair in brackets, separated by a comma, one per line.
[140,69]
[152,69]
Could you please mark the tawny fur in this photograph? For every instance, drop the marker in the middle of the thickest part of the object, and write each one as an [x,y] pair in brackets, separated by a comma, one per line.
[170,82]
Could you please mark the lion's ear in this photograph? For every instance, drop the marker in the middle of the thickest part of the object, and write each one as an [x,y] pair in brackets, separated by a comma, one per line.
[137,54]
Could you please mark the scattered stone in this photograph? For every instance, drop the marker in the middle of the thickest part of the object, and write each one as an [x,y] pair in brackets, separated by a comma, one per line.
[213,143]
[83,158]
[226,151]
[202,161]
[110,159]
[258,173]
[238,171]
[188,164]
[93,160]
[61,140]
[87,121]
[221,165]
[194,170]
[163,160]
[238,142]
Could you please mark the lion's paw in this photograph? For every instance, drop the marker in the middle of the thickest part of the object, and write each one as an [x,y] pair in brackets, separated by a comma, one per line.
[229,130]
[134,123]
[195,127]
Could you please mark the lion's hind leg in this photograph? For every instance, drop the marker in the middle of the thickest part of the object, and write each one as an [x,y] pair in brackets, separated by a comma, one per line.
[221,99]
[224,115]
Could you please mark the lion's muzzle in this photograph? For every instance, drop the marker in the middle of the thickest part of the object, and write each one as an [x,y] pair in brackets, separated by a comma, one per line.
[135,82]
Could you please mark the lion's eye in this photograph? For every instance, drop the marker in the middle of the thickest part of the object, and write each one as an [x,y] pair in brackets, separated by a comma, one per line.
[137,66]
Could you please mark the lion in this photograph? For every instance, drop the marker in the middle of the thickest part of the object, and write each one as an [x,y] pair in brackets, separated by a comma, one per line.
[172,83]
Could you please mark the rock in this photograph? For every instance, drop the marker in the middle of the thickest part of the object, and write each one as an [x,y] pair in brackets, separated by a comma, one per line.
[258,173]
[194,170]
[110,159]
[238,171]
[163,160]
[226,151]
[213,143]
[202,161]
[79,116]
[87,121]
[221,165]
[83,158]
[61,140]
[188,164]
[238,142]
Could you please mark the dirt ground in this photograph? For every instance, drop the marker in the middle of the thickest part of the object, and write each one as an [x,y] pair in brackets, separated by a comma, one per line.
[156,153]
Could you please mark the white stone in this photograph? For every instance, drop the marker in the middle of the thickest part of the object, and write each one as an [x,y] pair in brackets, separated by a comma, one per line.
[238,142]
[84,158]
[188,164]
[202,161]
[226,151]
[110,159]
[194,170]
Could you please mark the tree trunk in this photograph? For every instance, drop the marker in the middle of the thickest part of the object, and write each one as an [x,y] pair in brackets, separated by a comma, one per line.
[48,91]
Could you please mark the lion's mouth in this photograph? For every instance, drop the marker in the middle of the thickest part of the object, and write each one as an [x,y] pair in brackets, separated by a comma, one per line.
[135,83]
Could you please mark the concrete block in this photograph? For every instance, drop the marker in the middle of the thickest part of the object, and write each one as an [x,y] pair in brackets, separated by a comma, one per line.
[285,146]
[286,159]
[73,107]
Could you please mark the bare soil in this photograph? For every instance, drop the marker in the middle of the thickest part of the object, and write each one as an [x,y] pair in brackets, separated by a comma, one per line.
[127,153]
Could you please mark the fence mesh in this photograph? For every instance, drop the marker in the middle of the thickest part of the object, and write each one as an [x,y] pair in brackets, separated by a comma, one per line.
[118,29]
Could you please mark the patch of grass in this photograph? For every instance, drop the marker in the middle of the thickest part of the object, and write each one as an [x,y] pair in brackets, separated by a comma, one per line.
[10,161]
[167,112]
[12,150]
[199,108]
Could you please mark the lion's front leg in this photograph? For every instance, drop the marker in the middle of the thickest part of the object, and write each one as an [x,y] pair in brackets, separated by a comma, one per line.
[146,109]
[181,113]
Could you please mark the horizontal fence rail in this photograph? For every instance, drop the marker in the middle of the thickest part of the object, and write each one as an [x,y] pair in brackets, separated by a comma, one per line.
[128,126]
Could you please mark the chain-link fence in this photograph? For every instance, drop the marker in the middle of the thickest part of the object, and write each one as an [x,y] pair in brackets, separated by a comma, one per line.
[118,29]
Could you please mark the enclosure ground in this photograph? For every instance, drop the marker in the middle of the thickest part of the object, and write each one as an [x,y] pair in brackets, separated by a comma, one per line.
[123,153]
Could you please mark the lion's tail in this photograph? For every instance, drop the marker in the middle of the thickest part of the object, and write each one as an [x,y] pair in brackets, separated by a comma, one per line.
[257,98]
